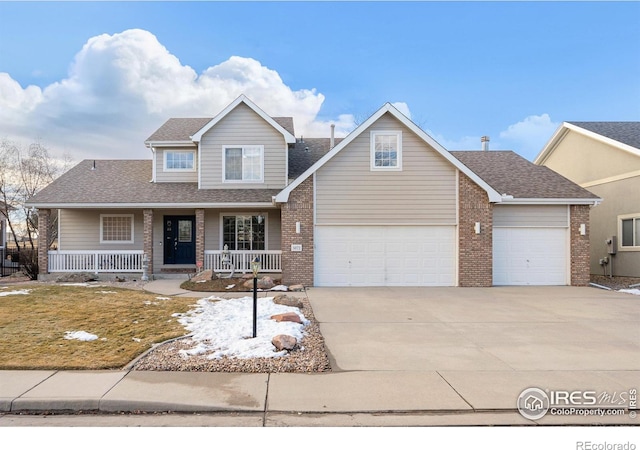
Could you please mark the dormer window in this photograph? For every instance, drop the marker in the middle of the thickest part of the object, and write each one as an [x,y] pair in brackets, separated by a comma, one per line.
[243,163]
[386,150]
[179,161]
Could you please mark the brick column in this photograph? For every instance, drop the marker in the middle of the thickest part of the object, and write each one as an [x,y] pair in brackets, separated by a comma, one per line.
[580,269]
[200,236]
[297,266]
[147,247]
[44,219]
[475,251]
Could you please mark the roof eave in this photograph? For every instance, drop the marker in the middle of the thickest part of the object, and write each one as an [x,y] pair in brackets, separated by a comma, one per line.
[62,205]
[150,144]
[508,200]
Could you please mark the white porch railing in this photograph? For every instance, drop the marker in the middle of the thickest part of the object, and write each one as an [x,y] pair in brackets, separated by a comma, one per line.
[95,261]
[270,260]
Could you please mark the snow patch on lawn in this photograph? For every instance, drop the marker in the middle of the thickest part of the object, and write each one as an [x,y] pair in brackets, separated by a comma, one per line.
[626,291]
[224,327]
[80,336]
[20,292]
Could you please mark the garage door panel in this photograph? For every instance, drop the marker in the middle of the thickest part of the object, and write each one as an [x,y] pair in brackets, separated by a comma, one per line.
[385,256]
[529,256]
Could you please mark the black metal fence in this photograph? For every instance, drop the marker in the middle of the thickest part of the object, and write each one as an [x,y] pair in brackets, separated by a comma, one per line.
[10,262]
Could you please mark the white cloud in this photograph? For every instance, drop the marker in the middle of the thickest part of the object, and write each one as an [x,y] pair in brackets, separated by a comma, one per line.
[403,108]
[122,87]
[528,136]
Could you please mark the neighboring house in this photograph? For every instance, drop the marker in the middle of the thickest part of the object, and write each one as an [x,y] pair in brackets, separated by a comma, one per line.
[604,157]
[387,205]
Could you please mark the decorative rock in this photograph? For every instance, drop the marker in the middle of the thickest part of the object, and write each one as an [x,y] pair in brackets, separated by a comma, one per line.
[296,288]
[247,276]
[248,284]
[78,277]
[284,342]
[265,283]
[283,299]
[287,317]
[205,275]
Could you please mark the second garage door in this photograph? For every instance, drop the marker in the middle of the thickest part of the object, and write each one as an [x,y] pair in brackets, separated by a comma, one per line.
[385,256]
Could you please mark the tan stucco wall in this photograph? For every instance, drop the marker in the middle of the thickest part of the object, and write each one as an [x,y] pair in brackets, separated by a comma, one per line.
[619,198]
[583,159]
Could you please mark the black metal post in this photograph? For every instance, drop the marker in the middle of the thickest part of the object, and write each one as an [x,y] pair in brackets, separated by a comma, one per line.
[255,304]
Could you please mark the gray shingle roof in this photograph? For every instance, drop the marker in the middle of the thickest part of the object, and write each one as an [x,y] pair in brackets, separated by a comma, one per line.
[179,129]
[128,181]
[303,155]
[625,132]
[182,128]
[511,174]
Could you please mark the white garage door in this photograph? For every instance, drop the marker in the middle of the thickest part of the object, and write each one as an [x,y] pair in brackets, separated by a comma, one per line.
[385,256]
[529,256]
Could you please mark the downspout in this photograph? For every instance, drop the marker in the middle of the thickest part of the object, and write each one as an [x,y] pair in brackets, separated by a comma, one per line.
[153,164]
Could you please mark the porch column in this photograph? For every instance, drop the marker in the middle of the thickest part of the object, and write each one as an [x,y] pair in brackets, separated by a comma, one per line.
[200,237]
[44,217]
[147,248]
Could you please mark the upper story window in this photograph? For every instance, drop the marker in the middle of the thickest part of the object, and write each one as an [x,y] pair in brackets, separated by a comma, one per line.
[630,232]
[243,163]
[116,228]
[386,150]
[179,161]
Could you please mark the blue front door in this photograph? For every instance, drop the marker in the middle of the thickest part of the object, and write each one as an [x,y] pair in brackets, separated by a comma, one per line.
[179,239]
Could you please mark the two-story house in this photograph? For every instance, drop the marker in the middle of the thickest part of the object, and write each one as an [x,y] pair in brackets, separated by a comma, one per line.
[386,205]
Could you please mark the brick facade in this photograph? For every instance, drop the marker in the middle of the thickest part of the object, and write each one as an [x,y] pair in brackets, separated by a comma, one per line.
[297,267]
[475,254]
[44,218]
[580,270]
[147,243]
[200,236]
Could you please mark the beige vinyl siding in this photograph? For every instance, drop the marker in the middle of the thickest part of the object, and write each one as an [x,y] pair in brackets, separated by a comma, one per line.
[423,192]
[243,126]
[175,177]
[530,216]
[80,230]
[583,159]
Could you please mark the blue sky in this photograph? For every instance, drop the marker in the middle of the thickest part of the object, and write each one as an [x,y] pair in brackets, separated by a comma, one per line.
[94,79]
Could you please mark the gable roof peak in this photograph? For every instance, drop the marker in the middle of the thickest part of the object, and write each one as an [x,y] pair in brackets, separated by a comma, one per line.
[289,138]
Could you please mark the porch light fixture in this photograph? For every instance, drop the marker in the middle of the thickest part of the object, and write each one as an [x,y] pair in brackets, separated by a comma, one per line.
[255,268]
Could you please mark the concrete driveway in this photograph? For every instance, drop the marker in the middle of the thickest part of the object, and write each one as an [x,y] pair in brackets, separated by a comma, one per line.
[488,343]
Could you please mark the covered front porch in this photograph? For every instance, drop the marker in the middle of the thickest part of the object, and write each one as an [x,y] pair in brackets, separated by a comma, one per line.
[165,241]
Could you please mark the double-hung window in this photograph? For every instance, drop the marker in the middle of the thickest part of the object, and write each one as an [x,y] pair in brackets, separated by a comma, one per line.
[243,232]
[243,163]
[629,232]
[179,161]
[386,150]
[116,228]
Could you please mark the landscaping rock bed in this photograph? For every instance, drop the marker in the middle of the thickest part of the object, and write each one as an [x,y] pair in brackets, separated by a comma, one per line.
[309,355]
[614,283]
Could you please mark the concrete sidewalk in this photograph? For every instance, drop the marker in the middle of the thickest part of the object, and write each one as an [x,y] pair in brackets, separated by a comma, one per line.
[456,378]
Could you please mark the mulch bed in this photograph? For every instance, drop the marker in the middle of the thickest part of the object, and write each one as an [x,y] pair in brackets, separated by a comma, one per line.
[614,282]
[220,285]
